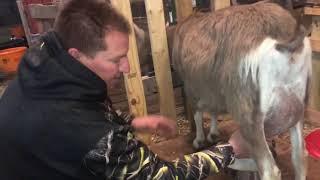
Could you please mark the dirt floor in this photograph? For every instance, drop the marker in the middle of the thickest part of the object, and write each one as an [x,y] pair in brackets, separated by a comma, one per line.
[182,144]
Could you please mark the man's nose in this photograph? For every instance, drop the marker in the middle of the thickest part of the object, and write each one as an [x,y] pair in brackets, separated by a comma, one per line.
[125,67]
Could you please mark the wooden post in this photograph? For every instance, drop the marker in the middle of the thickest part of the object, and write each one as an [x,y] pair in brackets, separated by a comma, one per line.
[45,14]
[24,22]
[315,43]
[315,85]
[219,4]
[160,56]
[133,80]
[183,9]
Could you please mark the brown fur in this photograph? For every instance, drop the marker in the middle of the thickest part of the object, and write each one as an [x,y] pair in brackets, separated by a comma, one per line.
[207,52]
[220,47]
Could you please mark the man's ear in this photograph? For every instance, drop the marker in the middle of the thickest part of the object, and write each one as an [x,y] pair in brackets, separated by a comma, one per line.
[75,53]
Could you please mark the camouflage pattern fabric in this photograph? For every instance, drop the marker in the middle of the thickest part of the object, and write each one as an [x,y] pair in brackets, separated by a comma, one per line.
[118,155]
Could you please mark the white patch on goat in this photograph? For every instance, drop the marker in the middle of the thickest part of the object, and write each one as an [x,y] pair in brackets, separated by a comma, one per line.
[296,139]
[274,69]
[214,125]
[244,164]
[198,141]
[287,71]
[213,128]
[298,151]
[274,174]
[250,64]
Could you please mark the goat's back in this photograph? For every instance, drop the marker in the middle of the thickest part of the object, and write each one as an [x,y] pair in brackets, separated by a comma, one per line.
[209,51]
[216,42]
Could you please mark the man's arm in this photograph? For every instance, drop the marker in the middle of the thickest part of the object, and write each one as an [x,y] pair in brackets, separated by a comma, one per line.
[120,155]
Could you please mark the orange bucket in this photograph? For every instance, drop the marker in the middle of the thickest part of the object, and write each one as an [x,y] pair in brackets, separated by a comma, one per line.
[10,58]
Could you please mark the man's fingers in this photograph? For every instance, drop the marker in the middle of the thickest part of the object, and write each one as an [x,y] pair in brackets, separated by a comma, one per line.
[239,145]
[155,123]
[166,127]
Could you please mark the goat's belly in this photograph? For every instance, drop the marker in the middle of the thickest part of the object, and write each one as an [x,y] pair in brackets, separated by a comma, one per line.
[206,99]
[284,113]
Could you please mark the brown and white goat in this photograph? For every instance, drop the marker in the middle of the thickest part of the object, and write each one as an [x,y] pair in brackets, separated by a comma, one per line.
[253,61]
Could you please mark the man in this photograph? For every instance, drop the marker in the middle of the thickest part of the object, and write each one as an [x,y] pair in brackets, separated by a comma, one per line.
[54,123]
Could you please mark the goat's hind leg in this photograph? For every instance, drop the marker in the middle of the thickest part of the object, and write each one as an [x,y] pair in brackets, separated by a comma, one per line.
[298,151]
[213,136]
[253,131]
[198,142]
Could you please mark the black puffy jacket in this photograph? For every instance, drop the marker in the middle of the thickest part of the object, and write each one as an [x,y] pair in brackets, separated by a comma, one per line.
[51,115]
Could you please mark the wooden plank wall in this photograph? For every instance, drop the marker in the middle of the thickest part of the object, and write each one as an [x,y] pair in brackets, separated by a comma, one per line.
[160,56]
[183,9]
[314,13]
[219,4]
[119,99]
[24,20]
[133,80]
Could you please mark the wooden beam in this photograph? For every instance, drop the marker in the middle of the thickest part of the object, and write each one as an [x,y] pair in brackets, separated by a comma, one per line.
[312,117]
[24,22]
[183,9]
[160,56]
[312,11]
[315,44]
[315,34]
[314,14]
[315,84]
[220,4]
[40,11]
[133,80]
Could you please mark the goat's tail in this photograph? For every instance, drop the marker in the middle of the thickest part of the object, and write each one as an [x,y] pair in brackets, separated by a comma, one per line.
[296,42]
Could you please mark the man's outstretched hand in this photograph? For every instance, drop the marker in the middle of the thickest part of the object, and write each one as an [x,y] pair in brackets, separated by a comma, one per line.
[155,123]
[239,144]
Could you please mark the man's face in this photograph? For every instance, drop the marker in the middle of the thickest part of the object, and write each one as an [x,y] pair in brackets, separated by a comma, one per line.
[110,64]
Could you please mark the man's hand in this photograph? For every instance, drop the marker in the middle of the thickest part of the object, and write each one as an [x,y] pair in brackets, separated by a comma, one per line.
[239,144]
[153,123]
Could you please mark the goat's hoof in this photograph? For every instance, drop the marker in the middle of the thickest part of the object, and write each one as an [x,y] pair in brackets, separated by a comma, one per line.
[198,144]
[274,174]
[213,138]
[271,178]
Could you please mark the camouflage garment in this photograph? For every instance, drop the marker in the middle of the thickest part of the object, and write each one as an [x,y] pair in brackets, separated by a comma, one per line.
[118,155]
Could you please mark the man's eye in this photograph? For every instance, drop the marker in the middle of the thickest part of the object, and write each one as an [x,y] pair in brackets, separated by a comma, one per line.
[115,61]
